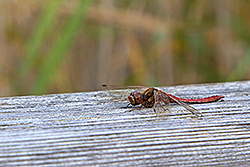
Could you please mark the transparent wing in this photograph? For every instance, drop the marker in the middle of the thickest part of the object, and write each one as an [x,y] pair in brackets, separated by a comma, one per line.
[188,107]
[120,93]
[160,98]
[114,87]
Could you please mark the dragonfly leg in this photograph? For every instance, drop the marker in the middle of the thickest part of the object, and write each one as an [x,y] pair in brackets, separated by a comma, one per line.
[137,108]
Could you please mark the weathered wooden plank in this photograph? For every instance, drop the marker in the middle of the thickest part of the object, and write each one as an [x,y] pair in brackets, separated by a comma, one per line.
[93,129]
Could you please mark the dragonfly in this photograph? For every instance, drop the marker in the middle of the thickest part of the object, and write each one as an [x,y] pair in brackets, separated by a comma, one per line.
[151,97]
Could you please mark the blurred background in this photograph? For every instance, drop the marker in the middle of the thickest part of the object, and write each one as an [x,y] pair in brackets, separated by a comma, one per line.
[72,45]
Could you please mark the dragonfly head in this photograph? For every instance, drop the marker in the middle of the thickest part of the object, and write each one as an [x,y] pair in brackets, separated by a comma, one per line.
[135,98]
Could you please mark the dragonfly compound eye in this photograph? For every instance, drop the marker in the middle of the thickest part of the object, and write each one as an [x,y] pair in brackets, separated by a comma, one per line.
[135,98]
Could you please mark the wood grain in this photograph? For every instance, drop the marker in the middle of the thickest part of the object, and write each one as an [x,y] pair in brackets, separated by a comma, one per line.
[93,129]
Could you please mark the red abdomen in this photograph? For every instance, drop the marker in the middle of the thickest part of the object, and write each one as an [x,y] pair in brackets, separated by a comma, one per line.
[202,100]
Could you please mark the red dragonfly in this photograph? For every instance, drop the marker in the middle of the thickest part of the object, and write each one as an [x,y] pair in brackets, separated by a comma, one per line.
[153,96]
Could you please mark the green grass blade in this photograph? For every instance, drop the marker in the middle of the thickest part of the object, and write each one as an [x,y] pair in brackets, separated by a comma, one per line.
[59,49]
[34,45]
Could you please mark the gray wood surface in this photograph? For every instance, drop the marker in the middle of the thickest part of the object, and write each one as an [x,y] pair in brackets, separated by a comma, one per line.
[93,129]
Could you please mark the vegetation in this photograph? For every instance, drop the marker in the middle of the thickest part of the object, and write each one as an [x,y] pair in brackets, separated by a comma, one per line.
[65,46]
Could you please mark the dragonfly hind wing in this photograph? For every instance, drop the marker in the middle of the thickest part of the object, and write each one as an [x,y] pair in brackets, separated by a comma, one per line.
[188,107]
